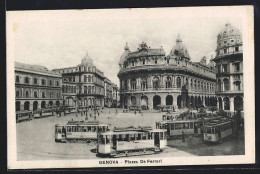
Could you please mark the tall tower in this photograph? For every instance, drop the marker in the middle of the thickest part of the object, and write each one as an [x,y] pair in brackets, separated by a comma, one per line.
[229,69]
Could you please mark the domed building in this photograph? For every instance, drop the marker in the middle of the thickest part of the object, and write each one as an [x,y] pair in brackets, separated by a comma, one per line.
[229,69]
[83,84]
[152,79]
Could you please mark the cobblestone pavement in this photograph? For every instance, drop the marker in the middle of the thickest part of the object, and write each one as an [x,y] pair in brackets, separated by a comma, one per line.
[35,138]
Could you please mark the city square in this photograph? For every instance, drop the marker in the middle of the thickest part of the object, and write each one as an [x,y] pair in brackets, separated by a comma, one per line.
[35,138]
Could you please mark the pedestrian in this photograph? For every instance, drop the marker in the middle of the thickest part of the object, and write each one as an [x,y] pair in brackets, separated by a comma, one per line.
[183,137]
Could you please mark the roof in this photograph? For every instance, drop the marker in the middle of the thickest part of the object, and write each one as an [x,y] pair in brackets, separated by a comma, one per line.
[132,132]
[94,123]
[35,68]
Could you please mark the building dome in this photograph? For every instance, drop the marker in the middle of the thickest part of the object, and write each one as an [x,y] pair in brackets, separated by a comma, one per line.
[87,61]
[179,50]
[230,35]
[124,55]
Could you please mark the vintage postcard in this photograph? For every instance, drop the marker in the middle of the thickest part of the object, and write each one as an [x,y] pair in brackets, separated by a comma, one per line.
[130,87]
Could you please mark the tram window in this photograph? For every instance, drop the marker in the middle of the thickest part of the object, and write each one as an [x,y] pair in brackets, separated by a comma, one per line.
[101,139]
[191,125]
[84,129]
[138,136]
[74,129]
[68,129]
[178,126]
[94,128]
[120,138]
[172,126]
[127,137]
[186,125]
[165,135]
[161,135]
[79,129]
[132,137]
[144,136]
[107,139]
[89,129]
[208,130]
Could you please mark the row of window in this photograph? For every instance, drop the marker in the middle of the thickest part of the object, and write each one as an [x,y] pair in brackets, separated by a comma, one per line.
[225,69]
[169,84]
[36,81]
[225,86]
[86,69]
[36,95]
[217,129]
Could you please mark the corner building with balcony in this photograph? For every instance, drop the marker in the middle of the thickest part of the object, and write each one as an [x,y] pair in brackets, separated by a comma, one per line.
[82,85]
[229,69]
[36,87]
[150,78]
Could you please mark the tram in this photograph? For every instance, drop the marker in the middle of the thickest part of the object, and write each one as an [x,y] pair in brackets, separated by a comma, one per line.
[44,112]
[23,115]
[175,128]
[79,131]
[130,141]
[215,130]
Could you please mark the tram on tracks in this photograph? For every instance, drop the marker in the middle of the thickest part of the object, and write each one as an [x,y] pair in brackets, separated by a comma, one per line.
[130,141]
[217,129]
[75,131]
[175,128]
[44,112]
[23,115]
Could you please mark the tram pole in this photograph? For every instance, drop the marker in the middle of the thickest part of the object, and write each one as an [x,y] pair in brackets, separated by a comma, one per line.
[116,98]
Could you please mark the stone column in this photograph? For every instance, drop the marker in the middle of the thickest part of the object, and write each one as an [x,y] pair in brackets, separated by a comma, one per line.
[232,107]
[150,102]
[175,101]
[203,101]
[163,98]
[223,104]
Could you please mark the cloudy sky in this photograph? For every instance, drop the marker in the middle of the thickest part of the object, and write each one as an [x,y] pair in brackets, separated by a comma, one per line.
[58,39]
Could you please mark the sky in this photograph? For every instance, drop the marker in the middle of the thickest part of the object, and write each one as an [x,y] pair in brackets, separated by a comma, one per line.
[61,38]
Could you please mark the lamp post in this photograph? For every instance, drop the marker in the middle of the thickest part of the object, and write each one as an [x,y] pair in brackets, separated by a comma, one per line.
[116,98]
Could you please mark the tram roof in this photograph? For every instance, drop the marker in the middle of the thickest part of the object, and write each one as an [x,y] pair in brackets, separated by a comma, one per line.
[214,123]
[94,123]
[133,132]
[177,121]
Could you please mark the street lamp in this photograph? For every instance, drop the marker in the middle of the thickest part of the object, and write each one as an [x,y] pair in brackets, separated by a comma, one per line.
[116,98]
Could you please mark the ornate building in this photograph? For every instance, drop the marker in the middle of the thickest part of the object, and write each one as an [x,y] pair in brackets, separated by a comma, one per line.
[229,69]
[150,78]
[108,99]
[83,84]
[36,87]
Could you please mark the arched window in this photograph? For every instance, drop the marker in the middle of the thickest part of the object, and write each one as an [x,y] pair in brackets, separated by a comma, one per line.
[195,84]
[219,85]
[187,83]
[143,62]
[26,80]
[27,94]
[85,78]
[168,83]
[226,84]
[35,94]
[198,85]
[125,83]
[43,81]
[156,83]
[89,78]
[35,81]
[89,89]
[237,86]
[143,84]
[178,80]
[85,90]
[51,94]
[17,94]
[133,84]
[201,86]
[50,82]
[57,83]
[207,87]
[43,95]
[17,79]
[191,84]
[80,90]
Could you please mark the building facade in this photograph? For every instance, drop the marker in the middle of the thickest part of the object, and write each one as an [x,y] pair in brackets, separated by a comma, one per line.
[83,85]
[150,78]
[36,87]
[108,98]
[229,69]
